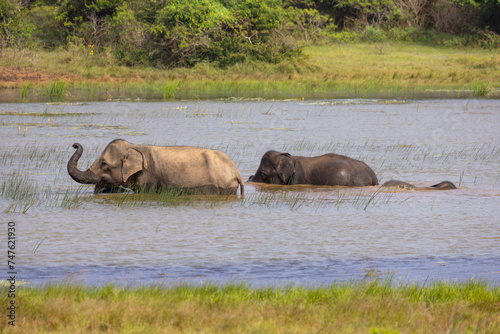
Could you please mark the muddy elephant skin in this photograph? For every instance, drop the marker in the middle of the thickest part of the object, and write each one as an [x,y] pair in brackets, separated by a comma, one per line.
[152,168]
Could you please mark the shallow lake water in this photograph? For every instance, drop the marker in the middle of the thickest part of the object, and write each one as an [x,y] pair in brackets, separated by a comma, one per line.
[274,235]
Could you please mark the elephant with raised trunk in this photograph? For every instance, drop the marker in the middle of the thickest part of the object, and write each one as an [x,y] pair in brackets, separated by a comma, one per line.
[152,168]
[325,170]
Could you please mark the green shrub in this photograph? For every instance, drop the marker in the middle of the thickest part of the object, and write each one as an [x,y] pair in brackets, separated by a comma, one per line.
[184,33]
[16,29]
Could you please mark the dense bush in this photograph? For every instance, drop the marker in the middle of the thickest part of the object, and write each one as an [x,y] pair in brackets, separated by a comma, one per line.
[15,27]
[170,33]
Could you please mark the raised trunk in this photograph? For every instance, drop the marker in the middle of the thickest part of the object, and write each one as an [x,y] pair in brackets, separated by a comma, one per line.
[87,177]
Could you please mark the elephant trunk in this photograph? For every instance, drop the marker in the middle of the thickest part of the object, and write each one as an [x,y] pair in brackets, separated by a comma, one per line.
[87,177]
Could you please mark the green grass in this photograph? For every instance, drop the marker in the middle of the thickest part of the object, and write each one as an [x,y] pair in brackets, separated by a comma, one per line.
[360,69]
[57,90]
[170,89]
[24,89]
[480,89]
[368,306]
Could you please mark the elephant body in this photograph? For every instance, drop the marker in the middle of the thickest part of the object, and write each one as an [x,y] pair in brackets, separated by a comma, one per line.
[152,168]
[325,170]
[445,185]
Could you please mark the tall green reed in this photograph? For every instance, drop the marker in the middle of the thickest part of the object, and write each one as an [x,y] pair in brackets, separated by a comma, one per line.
[24,89]
[480,88]
[21,190]
[57,90]
[170,89]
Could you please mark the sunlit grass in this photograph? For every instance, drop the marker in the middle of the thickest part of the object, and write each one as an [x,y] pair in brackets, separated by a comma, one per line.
[355,69]
[368,306]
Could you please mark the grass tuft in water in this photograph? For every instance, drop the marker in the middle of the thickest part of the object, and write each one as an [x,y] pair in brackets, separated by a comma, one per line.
[24,89]
[18,187]
[71,199]
[170,89]
[480,88]
[57,90]
[21,190]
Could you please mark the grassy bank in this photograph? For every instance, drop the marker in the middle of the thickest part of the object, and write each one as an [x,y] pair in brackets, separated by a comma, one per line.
[363,307]
[354,68]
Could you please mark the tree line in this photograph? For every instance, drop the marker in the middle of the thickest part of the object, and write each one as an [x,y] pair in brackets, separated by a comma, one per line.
[172,33]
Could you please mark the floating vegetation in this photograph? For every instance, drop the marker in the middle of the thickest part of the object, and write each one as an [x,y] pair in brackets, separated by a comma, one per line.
[166,197]
[357,101]
[297,197]
[99,126]
[44,113]
[276,129]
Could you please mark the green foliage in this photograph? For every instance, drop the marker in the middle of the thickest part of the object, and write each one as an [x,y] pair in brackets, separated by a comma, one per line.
[15,27]
[480,88]
[170,89]
[373,12]
[87,19]
[184,33]
[48,30]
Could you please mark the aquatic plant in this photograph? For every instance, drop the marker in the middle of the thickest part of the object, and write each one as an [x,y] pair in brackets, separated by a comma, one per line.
[57,90]
[21,190]
[19,187]
[170,89]
[24,89]
[480,88]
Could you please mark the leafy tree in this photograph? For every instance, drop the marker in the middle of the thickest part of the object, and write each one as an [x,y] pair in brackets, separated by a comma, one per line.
[15,28]
[186,32]
[489,12]
[87,19]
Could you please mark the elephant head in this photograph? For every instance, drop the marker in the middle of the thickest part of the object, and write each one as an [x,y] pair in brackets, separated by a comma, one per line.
[275,168]
[112,169]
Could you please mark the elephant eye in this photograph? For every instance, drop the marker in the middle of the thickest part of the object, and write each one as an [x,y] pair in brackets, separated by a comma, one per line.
[104,164]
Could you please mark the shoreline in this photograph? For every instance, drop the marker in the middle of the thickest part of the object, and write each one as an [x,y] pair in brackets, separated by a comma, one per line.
[357,69]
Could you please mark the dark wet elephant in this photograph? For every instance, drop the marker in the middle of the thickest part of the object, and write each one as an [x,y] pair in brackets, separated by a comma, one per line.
[151,168]
[325,170]
[445,185]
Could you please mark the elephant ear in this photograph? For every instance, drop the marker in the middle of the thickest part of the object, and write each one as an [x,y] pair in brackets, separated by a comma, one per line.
[134,162]
[285,168]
